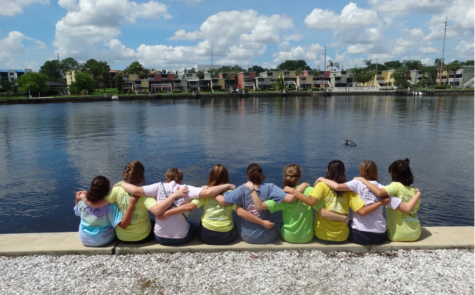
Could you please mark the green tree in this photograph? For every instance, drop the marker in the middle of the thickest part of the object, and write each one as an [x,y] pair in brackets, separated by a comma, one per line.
[83,81]
[291,65]
[430,75]
[137,68]
[468,63]
[454,66]
[333,65]
[119,80]
[362,76]
[400,77]
[200,74]
[33,82]
[393,64]
[52,69]
[98,69]
[257,69]
[68,65]
[7,86]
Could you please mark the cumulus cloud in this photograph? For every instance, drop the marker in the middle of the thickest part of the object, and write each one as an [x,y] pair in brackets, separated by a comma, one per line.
[460,16]
[90,24]
[308,53]
[465,49]
[183,35]
[13,50]
[189,2]
[351,16]
[398,8]
[14,7]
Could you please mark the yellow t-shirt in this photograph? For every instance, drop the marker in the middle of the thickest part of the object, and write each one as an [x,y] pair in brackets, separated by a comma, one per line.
[215,217]
[330,230]
[140,226]
[402,227]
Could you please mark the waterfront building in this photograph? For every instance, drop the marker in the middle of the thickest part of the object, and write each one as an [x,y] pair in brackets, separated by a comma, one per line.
[246,79]
[11,75]
[462,78]
[160,81]
[229,80]
[290,78]
[132,83]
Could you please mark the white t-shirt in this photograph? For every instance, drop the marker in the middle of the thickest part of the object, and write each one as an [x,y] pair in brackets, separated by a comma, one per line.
[373,222]
[176,226]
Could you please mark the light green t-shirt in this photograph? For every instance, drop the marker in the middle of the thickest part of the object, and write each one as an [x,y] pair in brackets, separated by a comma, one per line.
[402,227]
[297,217]
[140,226]
[215,217]
[329,230]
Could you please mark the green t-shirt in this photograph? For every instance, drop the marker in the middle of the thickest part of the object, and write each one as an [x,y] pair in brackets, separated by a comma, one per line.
[297,217]
[140,226]
[216,217]
[402,227]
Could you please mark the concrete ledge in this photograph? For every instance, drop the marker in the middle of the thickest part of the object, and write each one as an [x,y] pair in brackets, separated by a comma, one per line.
[68,243]
[48,244]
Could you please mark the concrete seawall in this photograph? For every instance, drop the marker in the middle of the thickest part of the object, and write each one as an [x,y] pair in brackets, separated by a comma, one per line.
[72,99]
[68,243]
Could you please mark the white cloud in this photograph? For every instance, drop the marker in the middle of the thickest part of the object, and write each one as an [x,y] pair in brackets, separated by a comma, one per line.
[13,7]
[293,37]
[351,16]
[13,50]
[397,8]
[285,46]
[183,35]
[306,53]
[91,24]
[189,2]
[460,16]
[428,49]
[465,49]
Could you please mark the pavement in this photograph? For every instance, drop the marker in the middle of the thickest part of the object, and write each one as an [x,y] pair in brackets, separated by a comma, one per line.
[67,243]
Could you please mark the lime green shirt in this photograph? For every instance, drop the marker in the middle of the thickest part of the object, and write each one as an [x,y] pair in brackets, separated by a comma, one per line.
[297,217]
[329,230]
[402,227]
[215,217]
[140,226]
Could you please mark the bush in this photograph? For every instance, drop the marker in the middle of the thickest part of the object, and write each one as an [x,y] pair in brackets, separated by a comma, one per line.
[440,87]
[448,87]
[292,87]
[315,88]
[177,91]
[303,89]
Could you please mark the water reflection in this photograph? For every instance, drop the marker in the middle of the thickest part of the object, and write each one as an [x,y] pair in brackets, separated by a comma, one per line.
[50,151]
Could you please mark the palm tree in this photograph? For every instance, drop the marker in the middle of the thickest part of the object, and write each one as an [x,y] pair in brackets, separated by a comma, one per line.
[439,64]
[455,66]
[367,63]
[332,65]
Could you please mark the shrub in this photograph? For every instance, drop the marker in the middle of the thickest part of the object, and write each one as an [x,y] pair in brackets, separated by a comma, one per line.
[177,91]
[440,87]
[448,87]
[303,89]
[315,88]
[292,87]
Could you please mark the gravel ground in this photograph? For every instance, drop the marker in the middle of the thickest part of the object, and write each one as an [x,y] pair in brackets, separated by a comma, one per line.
[282,272]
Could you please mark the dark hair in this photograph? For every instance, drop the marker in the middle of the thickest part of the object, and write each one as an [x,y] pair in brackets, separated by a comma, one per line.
[218,175]
[336,172]
[254,173]
[174,174]
[100,186]
[401,172]
[292,174]
[369,170]
[134,173]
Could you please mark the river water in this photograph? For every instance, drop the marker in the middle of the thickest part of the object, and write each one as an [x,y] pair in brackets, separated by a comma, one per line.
[49,151]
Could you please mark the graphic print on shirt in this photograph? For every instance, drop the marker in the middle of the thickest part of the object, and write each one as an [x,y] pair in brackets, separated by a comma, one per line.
[214,211]
[335,205]
[251,208]
[367,196]
[97,212]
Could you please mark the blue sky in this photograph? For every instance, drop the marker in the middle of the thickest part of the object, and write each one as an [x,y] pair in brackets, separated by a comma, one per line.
[173,34]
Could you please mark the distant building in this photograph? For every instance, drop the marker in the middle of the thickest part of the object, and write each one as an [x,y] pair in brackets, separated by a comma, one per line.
[10,75]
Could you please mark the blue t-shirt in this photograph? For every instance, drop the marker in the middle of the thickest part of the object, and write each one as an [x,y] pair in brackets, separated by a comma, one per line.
[251,232]
[97,224]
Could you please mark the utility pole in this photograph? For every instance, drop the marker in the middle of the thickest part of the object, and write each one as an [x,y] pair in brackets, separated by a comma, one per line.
[212,60]
[443,49]
[325,64]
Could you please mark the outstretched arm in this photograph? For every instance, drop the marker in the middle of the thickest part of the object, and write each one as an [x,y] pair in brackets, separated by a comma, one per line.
[255,198]
[368,209]
[215,190]
[409,206]
[220,200]
[128,214]
[342,187]
[290,198]
[380,192]
[252,218]
[133,189]
[178,210]
[159,208]
[311,201]
[332,215]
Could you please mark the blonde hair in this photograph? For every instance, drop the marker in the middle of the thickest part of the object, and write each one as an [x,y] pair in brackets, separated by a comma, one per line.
[174,174]
[369,170]
[292,175]
[134,172]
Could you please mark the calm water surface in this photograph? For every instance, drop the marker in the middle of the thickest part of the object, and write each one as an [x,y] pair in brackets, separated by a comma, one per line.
[49,151]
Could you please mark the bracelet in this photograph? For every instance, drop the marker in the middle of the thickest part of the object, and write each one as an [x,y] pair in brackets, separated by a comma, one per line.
[252,190]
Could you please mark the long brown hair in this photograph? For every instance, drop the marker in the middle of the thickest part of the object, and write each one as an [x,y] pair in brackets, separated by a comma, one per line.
[134,173]
[218,175]
[336,172]
[292,175]
[401,172]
